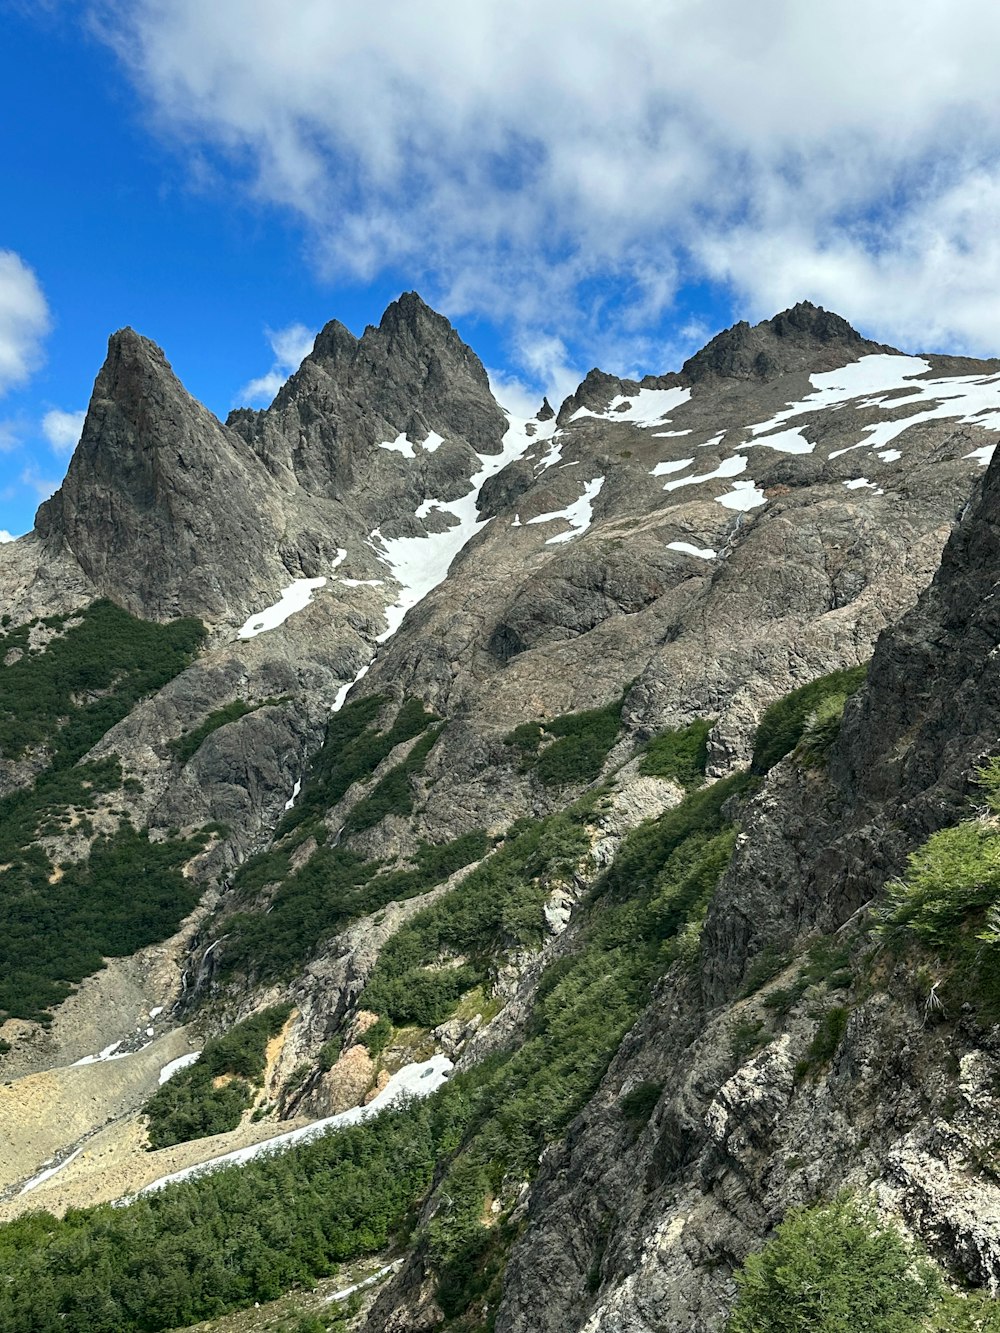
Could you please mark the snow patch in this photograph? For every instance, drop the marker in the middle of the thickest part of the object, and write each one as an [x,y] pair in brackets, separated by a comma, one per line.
[296,788]
[786,442]
[662,469]
[35,1181]
[417,1080]
[107,1054]
[860,483]
[744,496]
[729,467]
[579,515]
[648,407]
[419,564]
[294,598]
[702,552]
[983,455]
[893,455]
[182,1062]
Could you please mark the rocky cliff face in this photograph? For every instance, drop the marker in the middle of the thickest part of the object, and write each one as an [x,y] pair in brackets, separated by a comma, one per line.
[687,549]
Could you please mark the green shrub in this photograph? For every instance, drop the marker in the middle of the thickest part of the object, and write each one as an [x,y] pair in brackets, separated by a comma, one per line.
[784,723]
[186,746]
[319,899]
[834,1269]
[747,1036]
[377,1037]
[86,679]
[826,1041]
[956,871]
[681,754]
[352,750]
[191,1106]
[392,794]
[639,1104]
[575,745]
[329,1054]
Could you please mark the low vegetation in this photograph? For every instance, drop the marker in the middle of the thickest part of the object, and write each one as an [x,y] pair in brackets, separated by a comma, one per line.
[187,746]
[569,750]
[333,888]
[59,922]
[680,754]
[210,1096]
[812,712]
[228,1239]
[948,903]
[837,1268]
[99,663]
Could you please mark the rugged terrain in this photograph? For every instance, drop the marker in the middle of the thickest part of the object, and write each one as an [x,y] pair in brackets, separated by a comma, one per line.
[426,723]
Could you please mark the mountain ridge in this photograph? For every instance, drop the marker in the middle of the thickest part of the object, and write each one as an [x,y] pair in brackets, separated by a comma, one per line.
[467,768]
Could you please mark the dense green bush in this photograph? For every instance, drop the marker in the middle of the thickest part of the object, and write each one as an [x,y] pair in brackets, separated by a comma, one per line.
[69,693]
[826,1040]
[639,1104]
[392,794]
[784,723]
[498,904]
[681,754]
[352,750]
[210,1096]
[57,923]
[575,745]
[130,892]
[334,887]
[834,1269]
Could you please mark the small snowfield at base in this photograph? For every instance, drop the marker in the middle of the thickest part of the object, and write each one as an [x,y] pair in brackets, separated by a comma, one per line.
[417,1080]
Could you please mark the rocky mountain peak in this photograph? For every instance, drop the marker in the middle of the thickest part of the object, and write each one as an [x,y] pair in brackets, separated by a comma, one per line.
[804,337]
[161,503]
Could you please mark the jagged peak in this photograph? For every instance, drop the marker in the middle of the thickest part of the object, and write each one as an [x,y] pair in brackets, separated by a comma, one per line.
[803,337]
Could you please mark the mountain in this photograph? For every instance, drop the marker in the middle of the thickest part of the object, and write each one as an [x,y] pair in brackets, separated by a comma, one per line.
[561,771]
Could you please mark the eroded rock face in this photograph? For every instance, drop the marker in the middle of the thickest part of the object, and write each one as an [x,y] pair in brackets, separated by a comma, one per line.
[736,1140]
[698,543]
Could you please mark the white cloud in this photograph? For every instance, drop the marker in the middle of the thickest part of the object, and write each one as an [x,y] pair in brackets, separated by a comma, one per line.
[24,321]
[42,486]
[62,429]
[568,163]
[290,346]
[6,536]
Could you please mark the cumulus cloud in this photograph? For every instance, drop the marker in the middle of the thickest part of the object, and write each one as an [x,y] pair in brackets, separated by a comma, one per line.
[62,429]
[290,346]
[24,321]
[6,536]
[568,163]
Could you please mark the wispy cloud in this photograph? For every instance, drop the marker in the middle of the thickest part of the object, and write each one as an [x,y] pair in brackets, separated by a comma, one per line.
[42,486]
[24,321]
[560,164]
[290,346]
[62,429]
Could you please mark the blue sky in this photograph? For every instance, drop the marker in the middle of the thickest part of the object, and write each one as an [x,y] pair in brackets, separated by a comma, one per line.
[572,184]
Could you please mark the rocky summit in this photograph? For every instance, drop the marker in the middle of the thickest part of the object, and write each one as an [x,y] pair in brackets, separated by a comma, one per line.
[475,873]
